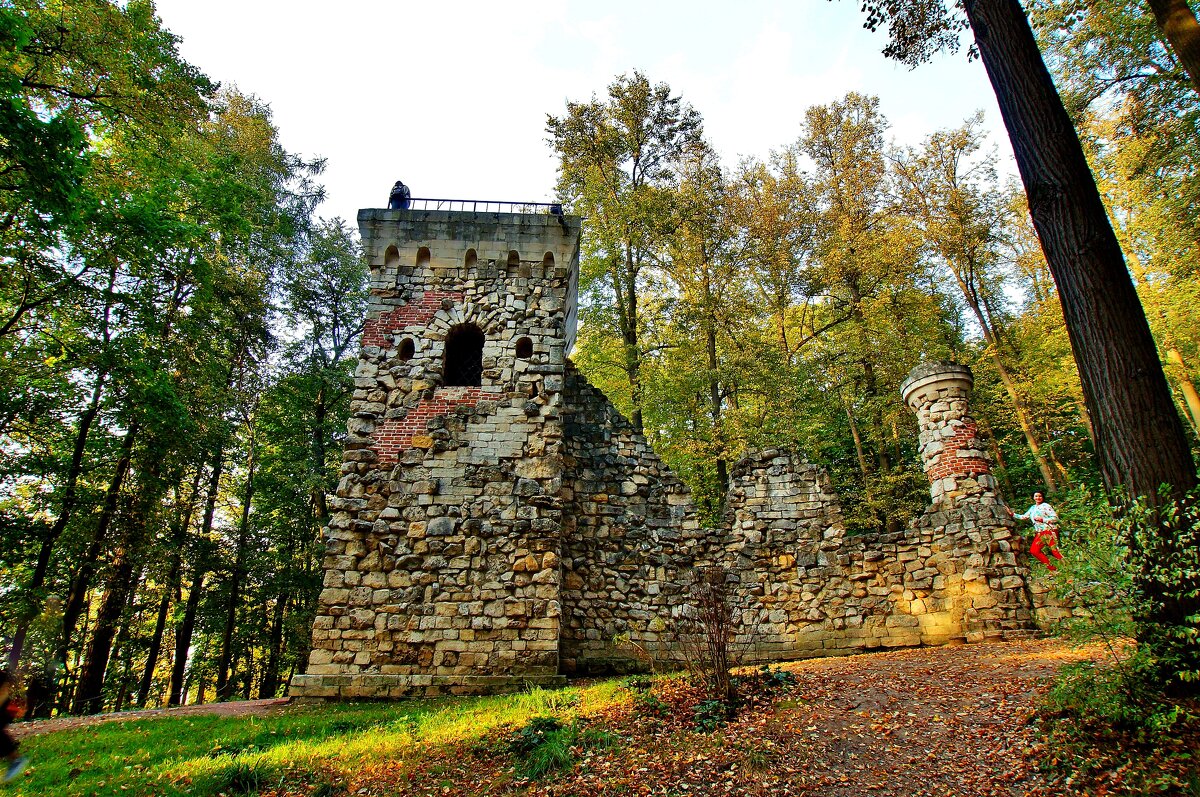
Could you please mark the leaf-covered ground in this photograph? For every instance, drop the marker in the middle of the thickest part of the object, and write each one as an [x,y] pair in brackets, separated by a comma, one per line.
[931,722]
[934,721]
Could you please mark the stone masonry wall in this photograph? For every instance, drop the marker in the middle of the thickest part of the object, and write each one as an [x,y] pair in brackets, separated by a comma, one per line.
[809,589]
[442,563]
[488,536]
[630,535]
[802,585]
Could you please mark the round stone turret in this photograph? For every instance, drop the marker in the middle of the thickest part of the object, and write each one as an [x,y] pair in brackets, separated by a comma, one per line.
[952,453]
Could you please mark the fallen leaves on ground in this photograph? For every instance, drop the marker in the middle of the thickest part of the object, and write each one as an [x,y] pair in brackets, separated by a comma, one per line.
[929,722]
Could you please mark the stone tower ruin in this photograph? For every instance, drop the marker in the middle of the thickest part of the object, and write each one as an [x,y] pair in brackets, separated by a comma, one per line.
[442,571]
[498,523]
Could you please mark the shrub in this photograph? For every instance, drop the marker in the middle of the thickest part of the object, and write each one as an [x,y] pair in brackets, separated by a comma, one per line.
[1128,725]
[533,735]
[546,745]
[710,715]
[1129,569]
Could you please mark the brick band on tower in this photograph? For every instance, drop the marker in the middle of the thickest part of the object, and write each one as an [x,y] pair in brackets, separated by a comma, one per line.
[952,452]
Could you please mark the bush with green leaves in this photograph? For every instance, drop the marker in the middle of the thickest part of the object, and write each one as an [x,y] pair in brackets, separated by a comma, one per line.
[1134,714]
[546,744]
[711,715]
[1127,574]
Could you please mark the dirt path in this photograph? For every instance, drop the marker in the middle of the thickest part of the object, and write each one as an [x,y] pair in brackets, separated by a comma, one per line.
[928,722]
[233,708]
[933,721]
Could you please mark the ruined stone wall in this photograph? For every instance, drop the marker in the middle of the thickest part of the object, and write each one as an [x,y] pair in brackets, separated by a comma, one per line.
[442,568]
[506,529]
[809,589]
[803,587]
[630,535]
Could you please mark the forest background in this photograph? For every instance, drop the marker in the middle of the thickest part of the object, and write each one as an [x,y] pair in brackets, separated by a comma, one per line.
[179,326]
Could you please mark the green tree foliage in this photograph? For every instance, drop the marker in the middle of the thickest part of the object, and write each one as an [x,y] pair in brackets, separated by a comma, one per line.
[1140,441]
[618,158]
[149,227]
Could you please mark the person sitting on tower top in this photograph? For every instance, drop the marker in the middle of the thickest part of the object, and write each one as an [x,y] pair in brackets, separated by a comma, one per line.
[399,197]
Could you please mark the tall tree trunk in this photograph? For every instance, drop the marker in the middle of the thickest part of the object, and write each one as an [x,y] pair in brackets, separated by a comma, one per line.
[1190,397]
[1178,23]
[65,512]
[183,634]
[77,597]
[248,685]
[170,588]
[123,651]
[187,626]
[1139,438]
[320,411]
[714,404]
[74,471]
[625,282]
[991,336]
[270,681]
[858,445]
[224,683]
[118,593]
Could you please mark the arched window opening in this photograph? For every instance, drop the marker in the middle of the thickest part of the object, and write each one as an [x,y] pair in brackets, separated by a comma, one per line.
[391,257]
[423,256]
[524,349]
[548,260]
[464,357]
[514,258]
[471,259]
[407,349]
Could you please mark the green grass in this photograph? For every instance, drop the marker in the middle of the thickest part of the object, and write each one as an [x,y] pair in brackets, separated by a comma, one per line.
[209,755]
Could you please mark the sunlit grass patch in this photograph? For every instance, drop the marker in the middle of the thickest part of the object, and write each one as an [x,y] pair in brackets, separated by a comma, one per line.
[322,743]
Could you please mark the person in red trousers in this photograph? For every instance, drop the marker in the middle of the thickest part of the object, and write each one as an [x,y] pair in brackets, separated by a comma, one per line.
[1045,530]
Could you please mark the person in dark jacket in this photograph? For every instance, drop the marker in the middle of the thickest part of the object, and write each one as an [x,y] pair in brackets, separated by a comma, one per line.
[398,200]
[9,711]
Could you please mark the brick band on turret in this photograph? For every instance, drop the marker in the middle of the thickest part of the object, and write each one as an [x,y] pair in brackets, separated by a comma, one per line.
[952,452]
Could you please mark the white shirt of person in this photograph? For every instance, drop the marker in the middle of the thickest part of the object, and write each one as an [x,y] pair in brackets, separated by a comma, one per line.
[1043,516]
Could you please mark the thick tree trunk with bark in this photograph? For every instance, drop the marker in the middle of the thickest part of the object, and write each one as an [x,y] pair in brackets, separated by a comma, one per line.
[1140,440]
[1178,23]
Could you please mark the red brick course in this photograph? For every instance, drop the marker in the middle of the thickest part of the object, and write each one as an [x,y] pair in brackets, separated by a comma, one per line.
[420,311]
[948,463]
[396,434]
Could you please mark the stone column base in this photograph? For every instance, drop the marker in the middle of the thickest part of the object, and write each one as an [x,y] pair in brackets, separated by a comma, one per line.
[378,686]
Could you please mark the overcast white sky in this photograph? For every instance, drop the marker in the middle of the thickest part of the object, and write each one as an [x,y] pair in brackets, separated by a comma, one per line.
[452,96]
